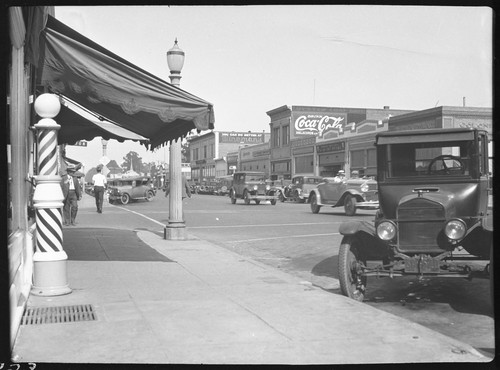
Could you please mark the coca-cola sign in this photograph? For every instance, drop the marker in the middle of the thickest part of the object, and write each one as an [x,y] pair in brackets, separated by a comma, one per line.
[318,124]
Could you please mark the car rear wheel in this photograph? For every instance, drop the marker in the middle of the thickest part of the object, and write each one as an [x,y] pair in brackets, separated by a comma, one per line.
[350,205]
[257,201]
[246,196]
[314,204]
[273,202]
[125,198]
[232,194]
[351,263]
[149,196]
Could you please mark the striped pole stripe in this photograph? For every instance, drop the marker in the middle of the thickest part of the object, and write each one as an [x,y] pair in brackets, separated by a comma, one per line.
[49,236]
[47,151]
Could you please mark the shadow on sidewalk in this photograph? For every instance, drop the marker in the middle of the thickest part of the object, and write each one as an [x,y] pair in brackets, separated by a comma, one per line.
[89,244]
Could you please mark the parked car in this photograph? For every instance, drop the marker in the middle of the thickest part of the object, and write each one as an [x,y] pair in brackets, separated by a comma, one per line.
[89,189]
[130,189]
[281,188]
[252,186]
[301,187]
[434,218]
[352,194]
[223,185]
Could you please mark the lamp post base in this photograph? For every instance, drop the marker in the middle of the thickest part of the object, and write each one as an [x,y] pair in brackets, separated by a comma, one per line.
[49,274]
[175,232]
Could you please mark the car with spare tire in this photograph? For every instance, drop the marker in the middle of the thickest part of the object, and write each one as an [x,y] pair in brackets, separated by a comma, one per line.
[252,186]
[130,189]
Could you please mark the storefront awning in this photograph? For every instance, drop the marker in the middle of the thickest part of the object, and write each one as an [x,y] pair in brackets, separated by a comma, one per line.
[78,124]
[75,67]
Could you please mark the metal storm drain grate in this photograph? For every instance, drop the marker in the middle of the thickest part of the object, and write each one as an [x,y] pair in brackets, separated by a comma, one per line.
[58,314]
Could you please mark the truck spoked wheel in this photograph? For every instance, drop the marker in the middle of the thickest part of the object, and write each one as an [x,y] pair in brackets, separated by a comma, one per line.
[246,196]
[351,264]
[350,205]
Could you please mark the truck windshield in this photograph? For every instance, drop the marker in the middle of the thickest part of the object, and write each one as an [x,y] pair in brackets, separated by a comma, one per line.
[254,178]
[428,159]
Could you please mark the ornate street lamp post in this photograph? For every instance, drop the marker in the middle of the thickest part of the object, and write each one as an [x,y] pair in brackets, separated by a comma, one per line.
[104,146]
[176,227]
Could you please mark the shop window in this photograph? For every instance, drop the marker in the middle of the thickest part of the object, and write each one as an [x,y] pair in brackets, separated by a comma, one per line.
[304,164]
[276,137]
[372,157]
[285,135]
[357,158]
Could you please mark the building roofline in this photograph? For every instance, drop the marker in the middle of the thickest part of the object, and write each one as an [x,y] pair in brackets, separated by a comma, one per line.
[444,111]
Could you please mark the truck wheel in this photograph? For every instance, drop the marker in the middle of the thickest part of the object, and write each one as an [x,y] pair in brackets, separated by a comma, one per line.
[246,197]
[350,205]
[351,263]
[257,201]
[273,202]
[125,198]
[314,204]
[232,194]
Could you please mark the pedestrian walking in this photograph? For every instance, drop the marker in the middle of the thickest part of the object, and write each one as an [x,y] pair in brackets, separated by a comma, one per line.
[72,192]
[99,181]
[186,189]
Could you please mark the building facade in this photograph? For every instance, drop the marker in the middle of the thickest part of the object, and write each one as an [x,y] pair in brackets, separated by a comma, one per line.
[448,117]
[318,141]
[255,158]
[209,152]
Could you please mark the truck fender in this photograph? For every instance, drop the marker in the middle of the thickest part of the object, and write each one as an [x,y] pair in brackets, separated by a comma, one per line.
[355,226]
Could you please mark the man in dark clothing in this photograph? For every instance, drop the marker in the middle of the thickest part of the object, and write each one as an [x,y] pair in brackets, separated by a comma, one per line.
[72,192]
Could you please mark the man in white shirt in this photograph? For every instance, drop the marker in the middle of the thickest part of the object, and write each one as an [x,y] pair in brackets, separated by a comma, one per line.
[99,181]
[340,176]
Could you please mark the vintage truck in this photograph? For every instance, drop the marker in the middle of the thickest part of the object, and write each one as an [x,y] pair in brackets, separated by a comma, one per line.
[435,217]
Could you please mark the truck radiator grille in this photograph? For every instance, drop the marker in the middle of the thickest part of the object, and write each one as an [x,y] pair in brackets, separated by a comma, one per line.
[420,222]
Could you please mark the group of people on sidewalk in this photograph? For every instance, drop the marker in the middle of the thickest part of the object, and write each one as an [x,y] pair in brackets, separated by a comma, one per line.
[72,192]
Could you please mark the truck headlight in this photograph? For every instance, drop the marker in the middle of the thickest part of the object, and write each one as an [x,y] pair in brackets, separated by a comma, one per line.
[255,187]
[455,229]
[386,230]
[365,187]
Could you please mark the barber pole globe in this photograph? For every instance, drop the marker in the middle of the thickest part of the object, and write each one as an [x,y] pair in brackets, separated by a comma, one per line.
[49,259]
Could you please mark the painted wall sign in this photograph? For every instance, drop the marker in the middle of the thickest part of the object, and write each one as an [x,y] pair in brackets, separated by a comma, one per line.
[332,147]
[241,137]
[318,124]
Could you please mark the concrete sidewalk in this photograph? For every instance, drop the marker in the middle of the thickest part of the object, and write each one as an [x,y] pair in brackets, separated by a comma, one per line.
[193,302]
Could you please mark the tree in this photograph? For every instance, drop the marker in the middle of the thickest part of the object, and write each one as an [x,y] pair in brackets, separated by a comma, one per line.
[134,162]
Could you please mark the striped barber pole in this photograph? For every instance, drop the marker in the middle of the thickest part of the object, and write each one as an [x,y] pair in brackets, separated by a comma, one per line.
[49,236]
[47,151]
[49,259]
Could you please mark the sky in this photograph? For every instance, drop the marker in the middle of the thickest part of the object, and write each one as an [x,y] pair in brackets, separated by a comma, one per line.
[248,60]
